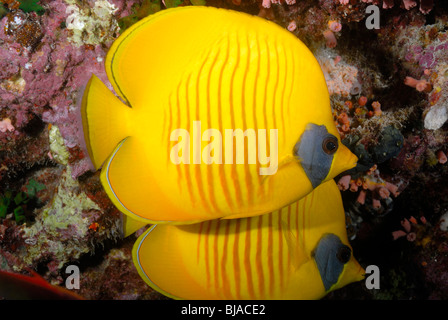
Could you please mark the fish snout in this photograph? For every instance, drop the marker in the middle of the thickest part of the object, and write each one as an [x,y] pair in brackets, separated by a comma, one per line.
[344,160]
[353,272]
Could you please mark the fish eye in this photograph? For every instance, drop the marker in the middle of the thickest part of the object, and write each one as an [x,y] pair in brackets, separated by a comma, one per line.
[344,254]
[330,145]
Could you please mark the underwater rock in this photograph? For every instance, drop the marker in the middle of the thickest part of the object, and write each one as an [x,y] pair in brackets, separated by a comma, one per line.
[389,145]
[61,226]
[91,26]
[58,150]
[115,277]
[436,117]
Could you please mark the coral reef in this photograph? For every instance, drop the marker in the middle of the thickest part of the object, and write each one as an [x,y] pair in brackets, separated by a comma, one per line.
[99,20]
[389,93]
[47,206]
[112,278]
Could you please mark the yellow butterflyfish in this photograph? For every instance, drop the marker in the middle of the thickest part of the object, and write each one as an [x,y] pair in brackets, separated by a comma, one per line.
[220,114]
[298,252]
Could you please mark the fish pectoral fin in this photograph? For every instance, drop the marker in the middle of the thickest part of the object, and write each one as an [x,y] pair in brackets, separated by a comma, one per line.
[295,248]
[282,163]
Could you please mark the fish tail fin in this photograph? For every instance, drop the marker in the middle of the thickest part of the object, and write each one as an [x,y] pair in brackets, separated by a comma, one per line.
[105,120]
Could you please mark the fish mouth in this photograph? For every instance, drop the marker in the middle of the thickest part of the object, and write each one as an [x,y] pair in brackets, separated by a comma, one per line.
[360,272]
[353,162]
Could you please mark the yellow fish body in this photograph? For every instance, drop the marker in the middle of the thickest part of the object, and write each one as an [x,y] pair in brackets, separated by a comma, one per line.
[227,116]
[298,252]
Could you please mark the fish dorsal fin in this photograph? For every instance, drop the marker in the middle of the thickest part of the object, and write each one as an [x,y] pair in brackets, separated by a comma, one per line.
[295,248]
[138,71]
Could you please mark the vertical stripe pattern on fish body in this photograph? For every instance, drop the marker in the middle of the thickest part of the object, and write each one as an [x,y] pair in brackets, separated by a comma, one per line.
[257,259]
[236,96]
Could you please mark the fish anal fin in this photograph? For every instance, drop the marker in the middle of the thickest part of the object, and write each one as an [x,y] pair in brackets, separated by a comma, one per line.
[159,255]
[129,183]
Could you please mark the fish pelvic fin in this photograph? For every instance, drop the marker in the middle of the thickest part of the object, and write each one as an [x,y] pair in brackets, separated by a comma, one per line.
[296,249]
[284,161]
[105,120]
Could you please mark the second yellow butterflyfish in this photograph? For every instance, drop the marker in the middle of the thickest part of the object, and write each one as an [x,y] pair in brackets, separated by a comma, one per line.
[298,252]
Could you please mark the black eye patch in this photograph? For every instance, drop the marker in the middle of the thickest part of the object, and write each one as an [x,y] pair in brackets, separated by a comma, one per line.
[315,150]
[331,255]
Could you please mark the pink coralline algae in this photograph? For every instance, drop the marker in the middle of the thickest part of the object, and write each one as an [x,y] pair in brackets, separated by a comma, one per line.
[423,49]
[35,79]
[267,3]
[425,5]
